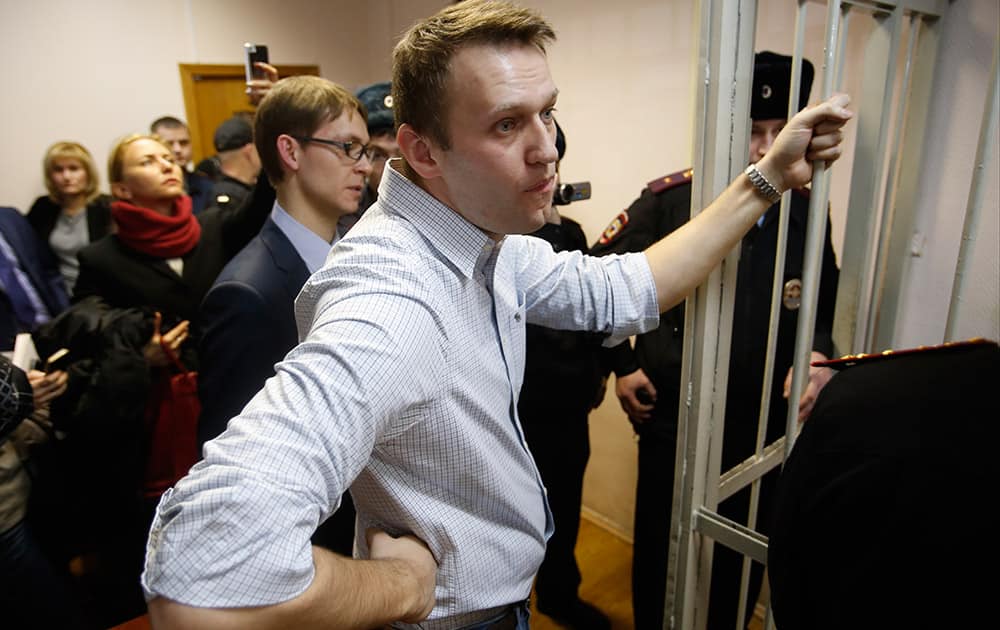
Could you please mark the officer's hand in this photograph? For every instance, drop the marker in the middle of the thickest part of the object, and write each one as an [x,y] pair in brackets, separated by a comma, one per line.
[636,394]
[416,559]
[818,378]
[812,134]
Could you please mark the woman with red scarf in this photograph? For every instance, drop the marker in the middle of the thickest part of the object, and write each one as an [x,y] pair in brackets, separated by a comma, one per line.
[161,255]
[145,278]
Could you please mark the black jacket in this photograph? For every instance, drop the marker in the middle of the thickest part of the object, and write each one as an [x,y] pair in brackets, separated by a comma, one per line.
[660,209]
[44,213]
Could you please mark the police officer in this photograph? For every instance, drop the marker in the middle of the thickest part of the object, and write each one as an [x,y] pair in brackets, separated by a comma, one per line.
[865,533]
[239,164]
[648,376]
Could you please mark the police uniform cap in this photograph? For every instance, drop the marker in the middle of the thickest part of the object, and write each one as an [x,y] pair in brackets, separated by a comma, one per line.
[772,76]
[377,99]
[233,133]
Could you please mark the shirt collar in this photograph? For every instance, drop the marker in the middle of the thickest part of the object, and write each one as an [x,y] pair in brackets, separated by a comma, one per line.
[461,243]
[312,249]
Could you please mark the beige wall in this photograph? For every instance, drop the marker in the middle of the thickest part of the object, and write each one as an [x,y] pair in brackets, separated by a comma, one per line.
[92,71]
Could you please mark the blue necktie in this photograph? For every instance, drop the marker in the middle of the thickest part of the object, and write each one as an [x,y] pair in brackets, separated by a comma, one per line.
[19,300]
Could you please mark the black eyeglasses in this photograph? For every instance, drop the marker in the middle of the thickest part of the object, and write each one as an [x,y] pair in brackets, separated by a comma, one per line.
[353,150]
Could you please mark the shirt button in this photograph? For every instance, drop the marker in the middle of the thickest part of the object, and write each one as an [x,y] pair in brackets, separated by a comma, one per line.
[517,317]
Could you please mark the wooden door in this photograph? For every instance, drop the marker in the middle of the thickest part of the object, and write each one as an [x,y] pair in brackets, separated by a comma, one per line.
[213,93]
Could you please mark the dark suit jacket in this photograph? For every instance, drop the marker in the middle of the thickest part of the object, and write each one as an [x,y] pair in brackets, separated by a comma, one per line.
[125,278]
[248,325]
[38,263]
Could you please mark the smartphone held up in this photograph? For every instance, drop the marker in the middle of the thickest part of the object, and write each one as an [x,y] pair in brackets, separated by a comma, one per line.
[254,53]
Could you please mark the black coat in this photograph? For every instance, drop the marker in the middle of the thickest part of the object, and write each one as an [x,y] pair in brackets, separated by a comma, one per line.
[661,209]
[126,278]
[44,213]
[881,516]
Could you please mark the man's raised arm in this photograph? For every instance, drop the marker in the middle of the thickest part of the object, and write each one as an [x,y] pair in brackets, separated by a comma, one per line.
[683,259]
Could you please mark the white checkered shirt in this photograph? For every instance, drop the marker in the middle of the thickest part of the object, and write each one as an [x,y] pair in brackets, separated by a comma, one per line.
[404,391]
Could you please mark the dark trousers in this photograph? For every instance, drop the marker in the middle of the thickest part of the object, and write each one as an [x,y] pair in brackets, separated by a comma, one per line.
[32,593]
[651,545]
[560,443]
[653,501]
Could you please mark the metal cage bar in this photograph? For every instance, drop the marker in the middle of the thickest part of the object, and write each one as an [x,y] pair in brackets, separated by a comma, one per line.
[984,158]
[722,75]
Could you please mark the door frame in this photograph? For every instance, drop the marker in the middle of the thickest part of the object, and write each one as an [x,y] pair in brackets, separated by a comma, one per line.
[192,72]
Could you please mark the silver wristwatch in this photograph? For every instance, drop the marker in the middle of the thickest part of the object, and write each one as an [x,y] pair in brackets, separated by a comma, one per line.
[764,187]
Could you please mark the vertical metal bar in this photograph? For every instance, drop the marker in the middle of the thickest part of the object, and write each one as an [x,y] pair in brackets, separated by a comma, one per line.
[776,289]
[722,106]
[782,238]
[854,294]
[888,207]
[984,156]
[906,197]
[815,236]
[845,23]
[895,27]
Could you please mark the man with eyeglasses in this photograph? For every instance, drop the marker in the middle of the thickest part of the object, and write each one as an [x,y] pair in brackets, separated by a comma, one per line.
[405,385]
[377,99]
[311,137]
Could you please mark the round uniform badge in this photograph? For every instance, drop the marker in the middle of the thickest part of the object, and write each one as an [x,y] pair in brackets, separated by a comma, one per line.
[387,101]
[791,296]
[766,91]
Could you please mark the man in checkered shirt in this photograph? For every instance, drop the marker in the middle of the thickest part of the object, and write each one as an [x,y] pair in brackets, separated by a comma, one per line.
[405,383]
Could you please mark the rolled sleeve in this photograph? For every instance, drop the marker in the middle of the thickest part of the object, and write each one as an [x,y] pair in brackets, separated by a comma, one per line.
[245,571]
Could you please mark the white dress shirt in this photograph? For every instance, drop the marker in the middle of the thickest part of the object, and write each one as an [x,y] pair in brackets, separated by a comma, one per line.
[404,390]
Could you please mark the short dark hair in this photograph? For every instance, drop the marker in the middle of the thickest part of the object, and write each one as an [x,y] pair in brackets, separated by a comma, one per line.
[171,122]
[421,60]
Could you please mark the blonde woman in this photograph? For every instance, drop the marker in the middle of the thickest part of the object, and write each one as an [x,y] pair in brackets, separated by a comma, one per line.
[74,213]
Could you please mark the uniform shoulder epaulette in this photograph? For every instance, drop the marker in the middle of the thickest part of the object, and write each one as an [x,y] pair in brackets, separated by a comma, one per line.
[667,182]
[850,360]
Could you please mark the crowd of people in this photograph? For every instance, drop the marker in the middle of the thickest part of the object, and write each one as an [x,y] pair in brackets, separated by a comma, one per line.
[384,356]
[137,286]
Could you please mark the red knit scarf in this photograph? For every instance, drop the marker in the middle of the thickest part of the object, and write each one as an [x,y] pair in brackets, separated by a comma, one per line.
[152,233]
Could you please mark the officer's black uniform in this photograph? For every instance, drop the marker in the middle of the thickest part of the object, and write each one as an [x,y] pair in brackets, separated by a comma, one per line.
[662,207]
[229,192]
[881,516]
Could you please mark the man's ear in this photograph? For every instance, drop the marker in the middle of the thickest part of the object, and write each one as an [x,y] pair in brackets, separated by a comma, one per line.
[120,191]
[288,152]
[418,152]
